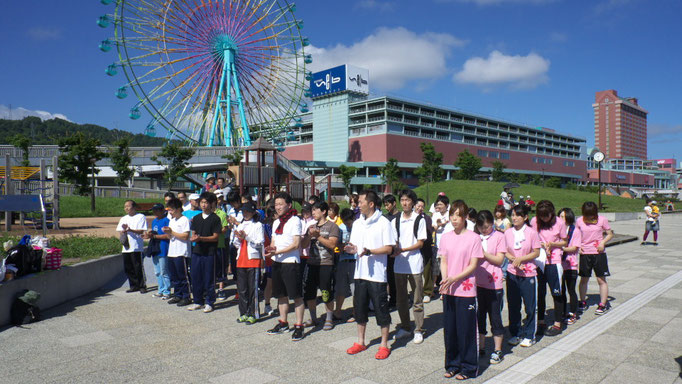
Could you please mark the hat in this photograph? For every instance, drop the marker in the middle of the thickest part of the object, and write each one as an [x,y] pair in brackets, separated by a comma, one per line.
[158,207]
[218,193]
[210,177]
[194,196]
[249,207]
[653,202]
[30,297]
[441,193]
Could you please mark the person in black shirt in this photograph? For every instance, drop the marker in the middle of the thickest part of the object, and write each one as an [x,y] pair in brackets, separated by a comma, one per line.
[206,228]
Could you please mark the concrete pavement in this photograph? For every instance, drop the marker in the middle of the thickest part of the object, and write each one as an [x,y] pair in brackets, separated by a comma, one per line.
[111,337]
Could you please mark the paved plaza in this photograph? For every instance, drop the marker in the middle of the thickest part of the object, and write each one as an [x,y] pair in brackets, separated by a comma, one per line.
[111,336]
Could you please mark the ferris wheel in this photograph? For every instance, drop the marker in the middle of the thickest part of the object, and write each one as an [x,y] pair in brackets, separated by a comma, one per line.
[211,72]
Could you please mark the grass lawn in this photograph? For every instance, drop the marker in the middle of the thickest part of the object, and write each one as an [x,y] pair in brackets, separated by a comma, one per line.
[76,249]
[79,206]
[485,194]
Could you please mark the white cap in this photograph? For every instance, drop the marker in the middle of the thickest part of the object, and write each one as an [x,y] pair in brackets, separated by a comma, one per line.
[218,193]
[194,196]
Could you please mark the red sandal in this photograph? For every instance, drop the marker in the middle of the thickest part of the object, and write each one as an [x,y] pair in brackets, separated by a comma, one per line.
[383,353]
[355,349]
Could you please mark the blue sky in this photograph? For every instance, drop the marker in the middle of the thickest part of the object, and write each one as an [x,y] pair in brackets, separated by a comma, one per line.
[537,62]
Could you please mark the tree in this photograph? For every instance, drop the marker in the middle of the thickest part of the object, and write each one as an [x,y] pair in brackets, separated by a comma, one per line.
[121,160]
[522,178]
[175,158]
[78,155]
[347,174]
[554,182]
[430,170]
[390,174]
[468,165]
[22,142]
[498,170]
[537,180]
[235,157]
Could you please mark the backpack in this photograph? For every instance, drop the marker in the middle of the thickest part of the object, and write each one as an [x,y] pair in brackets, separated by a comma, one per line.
[427,243]
[24,308]
[25,259]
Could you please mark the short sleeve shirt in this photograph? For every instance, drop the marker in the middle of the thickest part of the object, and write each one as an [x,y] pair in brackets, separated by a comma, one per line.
[489,275]
[319,254]
[592,234]
[555,233]
[206,227]
[136,222]
[157,226]
[458,250]
[439,232]
[223,222]
[409,262]
[372,233]
[177,247]
[530,242]
[292,228]
[570,263]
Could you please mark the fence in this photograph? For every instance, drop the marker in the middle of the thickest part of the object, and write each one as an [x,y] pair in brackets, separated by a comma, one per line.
[135,193]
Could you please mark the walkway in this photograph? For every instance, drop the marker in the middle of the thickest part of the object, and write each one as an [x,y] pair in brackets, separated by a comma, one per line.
[117,337]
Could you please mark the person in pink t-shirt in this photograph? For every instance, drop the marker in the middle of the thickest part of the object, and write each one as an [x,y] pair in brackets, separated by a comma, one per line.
[489,289]
[570,264]
[460,252]
[523,247]
[592,256]
[552,232]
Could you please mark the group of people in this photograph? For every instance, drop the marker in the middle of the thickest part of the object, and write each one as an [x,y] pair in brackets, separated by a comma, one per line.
[457,254]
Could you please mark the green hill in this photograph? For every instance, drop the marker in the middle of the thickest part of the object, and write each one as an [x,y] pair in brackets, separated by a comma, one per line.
[49,131]
[485,194]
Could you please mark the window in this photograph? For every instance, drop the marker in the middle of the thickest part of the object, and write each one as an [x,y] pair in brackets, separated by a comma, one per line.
[482,153]
[569,164]
[504,155]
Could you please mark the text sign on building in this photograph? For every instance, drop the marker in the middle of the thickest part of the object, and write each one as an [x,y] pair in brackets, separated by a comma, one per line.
[339,79]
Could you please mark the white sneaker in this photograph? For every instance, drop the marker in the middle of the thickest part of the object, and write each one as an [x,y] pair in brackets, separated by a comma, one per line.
[268,310]
[208,308]
[401,334]
[527,342]
[427,299]
[193,307]
[514,340]
[418,338]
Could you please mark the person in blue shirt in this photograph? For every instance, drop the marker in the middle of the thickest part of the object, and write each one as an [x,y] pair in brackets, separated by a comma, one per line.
[159,253]
[195,209]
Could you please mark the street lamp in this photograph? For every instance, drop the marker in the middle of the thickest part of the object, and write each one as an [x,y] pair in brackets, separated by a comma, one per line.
[598,157]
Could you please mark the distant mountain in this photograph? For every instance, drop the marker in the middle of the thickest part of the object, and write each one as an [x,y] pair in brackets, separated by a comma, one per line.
[49,131]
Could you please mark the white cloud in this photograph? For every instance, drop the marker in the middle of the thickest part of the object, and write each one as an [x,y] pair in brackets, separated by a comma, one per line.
[381,6]
[39,33]
[19,113]
[517,71]
[496,2]
[665,130]
[394,56]
[558,37]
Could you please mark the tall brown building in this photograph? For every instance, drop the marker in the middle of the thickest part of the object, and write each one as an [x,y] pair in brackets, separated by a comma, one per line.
[619,126]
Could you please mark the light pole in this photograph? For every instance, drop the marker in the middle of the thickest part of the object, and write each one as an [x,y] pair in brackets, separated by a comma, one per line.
[598,158]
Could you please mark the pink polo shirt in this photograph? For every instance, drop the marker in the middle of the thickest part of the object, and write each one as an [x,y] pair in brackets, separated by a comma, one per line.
[488,275]
[531,242]
[592,234]
[554,234]
[458,250]
[571,261]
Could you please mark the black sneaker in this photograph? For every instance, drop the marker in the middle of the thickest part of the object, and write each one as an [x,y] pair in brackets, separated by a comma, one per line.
[184,302]
[582,306]
[143,290]
[602,309]
[131,290]
[279,328]
[298,333]
[553,331]
[174,300]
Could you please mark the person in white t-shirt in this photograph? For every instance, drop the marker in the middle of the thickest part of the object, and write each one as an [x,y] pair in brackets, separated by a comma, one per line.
[372,240]
[186,205]
[440,221]
[130,229]
[409,266]
[285,253]
[178,252]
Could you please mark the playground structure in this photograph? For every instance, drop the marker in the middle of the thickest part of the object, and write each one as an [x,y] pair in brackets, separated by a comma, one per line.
[30,189]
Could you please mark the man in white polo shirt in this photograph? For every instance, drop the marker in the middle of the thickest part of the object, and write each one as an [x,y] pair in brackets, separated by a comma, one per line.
[409,266]
[372,240]
[286,277]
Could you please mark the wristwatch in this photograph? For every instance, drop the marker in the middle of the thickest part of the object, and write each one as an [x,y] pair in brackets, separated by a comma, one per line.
[368,252]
